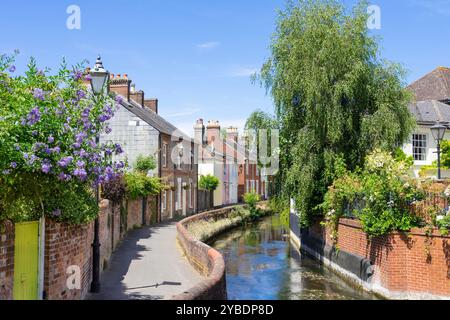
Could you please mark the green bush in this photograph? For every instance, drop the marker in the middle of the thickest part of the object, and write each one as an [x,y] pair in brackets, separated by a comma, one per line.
[444,225]
[252,199]
[209,182]
[139,185]
[145,163]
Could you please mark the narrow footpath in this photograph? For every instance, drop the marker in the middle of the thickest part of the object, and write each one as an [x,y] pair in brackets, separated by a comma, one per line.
[148,265]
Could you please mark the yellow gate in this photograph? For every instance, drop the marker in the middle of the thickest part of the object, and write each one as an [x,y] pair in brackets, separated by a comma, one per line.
[26,261]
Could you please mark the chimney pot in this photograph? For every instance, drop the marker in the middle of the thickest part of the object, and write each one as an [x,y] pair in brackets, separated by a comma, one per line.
[125,76]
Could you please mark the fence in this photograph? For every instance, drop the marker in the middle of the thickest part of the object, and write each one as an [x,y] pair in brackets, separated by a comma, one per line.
[432,203]
[205,200]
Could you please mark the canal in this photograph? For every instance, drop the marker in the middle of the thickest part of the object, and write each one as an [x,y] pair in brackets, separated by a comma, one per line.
[261,264]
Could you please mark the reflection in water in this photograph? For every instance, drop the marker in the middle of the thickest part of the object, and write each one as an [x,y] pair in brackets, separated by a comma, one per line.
[261,265]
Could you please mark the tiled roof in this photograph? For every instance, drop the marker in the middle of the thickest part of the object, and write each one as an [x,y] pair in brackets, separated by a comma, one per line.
[428,112]
[433,86]
[153,119]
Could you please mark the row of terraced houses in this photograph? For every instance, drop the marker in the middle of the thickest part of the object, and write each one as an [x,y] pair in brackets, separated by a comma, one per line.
[182,159]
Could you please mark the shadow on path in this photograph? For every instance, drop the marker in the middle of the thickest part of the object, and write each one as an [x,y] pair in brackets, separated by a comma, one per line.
[147,266]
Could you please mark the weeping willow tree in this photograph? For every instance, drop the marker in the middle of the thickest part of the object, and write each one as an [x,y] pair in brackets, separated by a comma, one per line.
[335,98]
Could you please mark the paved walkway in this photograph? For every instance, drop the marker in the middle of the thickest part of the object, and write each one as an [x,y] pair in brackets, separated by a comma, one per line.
[147,266]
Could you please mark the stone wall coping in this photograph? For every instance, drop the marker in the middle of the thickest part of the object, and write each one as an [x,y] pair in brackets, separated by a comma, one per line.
[214,283]
[414,231]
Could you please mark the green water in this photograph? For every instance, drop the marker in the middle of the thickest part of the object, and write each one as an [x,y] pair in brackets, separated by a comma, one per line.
[261,264]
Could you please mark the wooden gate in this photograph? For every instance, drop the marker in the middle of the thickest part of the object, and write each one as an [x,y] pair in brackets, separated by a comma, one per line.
[26,261]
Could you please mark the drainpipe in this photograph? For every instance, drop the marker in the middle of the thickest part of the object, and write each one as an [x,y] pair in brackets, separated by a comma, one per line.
[159,202]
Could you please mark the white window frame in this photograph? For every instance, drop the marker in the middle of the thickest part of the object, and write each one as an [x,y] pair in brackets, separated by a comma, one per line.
[164,155]
[257,186]
[191,186]
[164,201]
[420,143]
[180,194]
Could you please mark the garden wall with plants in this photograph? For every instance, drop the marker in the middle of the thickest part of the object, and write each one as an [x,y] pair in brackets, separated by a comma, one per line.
[69,245]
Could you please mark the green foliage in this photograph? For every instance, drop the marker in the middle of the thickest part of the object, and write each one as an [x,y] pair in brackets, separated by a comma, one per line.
[400,156]
[252,199]
[445,156]
[335,98]
[208,182]
[444,225]
[145,163]
[378,195]
[139,185]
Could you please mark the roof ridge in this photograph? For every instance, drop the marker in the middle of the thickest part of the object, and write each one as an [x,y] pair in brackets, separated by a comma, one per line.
[444,76]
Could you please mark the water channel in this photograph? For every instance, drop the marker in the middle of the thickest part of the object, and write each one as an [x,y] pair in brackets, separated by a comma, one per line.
[261,264]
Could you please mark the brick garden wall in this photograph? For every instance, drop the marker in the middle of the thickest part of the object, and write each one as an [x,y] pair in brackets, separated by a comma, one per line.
[69,245]
[6,260]
[414,266]
[65,246]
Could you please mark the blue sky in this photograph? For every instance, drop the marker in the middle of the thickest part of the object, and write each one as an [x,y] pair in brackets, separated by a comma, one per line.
[196,56]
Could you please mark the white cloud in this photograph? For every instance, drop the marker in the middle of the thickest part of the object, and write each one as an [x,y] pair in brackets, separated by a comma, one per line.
[209,45]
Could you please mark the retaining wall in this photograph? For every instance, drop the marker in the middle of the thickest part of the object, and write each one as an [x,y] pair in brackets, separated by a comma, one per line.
[204,259]
[397,266]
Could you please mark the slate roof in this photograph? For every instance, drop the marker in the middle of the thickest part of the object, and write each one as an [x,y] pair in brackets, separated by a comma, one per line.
[153,119]
[433,86]
[428,112]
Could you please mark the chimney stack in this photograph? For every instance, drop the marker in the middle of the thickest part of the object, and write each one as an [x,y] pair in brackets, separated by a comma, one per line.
[120,85]
[213,131]
[152,104]
[199,132]
[232,134]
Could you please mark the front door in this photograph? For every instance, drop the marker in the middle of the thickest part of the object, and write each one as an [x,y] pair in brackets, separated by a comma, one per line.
[26,261]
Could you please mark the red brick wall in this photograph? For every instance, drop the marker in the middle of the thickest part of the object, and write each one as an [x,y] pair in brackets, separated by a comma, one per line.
[402,262]
[6,260]
[66,245]
[134,213]
[70,245]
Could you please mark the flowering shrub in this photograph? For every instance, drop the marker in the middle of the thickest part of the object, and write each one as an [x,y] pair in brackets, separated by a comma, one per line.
[381,195]
[50,155]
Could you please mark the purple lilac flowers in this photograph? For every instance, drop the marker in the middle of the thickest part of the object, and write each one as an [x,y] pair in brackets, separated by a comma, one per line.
[46,167]
[39,94]
[33,117]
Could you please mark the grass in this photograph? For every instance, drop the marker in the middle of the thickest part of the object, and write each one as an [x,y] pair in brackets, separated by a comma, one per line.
[204,230]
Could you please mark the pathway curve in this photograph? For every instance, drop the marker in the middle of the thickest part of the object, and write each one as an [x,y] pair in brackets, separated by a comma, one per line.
[148,265]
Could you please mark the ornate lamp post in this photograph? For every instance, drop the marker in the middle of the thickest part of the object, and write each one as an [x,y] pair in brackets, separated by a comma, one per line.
[438,131]
[99,77]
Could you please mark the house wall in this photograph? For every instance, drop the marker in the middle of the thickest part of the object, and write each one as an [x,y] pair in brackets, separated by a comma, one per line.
[134,135]
[171,175]
[431,154]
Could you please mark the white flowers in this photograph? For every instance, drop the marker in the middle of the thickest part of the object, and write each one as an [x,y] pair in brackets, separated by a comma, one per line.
[439,218]
[447,191]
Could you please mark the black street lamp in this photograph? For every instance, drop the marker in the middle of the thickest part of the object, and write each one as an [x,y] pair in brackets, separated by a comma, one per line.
[438,131]
[99,77]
